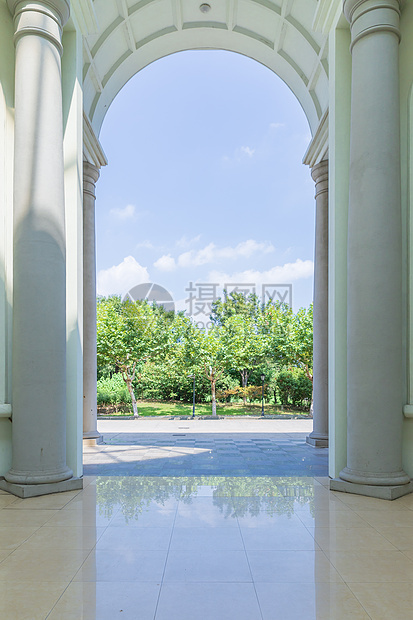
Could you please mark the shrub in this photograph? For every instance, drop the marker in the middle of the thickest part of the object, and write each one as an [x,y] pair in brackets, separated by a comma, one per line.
[251,392]
[294,387]
[112,391]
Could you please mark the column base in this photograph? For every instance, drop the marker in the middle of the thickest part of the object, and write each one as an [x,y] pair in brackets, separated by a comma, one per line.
[370,490]
[25,477]
[92,438]
[35,490]
[317,440]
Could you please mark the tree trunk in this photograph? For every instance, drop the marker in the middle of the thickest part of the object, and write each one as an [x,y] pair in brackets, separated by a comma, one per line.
[132,396]
[244,381]
[214,402]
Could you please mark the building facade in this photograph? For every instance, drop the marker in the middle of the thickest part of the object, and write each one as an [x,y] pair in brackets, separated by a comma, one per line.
[349,64]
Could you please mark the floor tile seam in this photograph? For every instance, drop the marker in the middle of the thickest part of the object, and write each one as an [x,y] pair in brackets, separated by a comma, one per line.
[24,541]
[313,536]
[375,527]
[331,564]
[70,581]
[166,560]
[249,567]
[59,598]
[403,551]
[27,539]
[367,552]
[385,538]
[358,600]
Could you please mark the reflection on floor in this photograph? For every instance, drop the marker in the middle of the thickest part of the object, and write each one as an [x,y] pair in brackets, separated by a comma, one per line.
[206,548]
[206,454]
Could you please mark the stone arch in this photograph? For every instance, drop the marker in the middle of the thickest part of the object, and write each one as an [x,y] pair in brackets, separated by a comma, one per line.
[276,33]
[279,34]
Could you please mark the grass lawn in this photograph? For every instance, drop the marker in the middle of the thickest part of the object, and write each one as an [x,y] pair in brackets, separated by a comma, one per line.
[150,408]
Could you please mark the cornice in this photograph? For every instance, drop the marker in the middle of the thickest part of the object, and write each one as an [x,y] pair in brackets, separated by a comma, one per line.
[85,15]
[61,7]
[325,15]
[92,149]
[351,6]
[318,147]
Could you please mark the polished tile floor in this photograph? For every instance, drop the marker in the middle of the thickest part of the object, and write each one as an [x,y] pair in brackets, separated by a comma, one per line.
[205,548]
[205,454]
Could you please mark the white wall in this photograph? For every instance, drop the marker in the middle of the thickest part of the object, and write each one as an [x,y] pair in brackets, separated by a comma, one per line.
[72,62]
[406,102]
[6,223]
[339,156]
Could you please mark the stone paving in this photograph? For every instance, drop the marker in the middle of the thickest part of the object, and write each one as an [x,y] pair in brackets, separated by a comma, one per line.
[183,449]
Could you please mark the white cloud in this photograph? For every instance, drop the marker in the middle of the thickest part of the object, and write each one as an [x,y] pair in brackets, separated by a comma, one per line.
[146,245]
[281,274]
[276,125]
[118,279]
[246,150]
[165,263]
[127,213]
[241,154]
[184,242]
[211,253]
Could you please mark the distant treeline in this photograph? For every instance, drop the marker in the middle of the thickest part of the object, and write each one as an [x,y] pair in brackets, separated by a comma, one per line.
[147,353]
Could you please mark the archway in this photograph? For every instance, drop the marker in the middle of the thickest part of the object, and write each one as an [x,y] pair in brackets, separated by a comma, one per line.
[279,35]
[293,51]
[44,236]
[176,138]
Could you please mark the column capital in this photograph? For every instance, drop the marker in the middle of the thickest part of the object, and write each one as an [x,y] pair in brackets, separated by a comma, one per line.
[91,174]
[61,7]
[319,170]
[319,173]
[44,18]
[370,16]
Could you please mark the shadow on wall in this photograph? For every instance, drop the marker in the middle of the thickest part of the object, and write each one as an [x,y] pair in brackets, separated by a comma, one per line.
[6,100]
[5,391]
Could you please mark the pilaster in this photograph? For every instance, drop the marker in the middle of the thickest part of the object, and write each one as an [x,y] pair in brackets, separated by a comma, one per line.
[39,254]
[319,437]
[374,332]
[90,432]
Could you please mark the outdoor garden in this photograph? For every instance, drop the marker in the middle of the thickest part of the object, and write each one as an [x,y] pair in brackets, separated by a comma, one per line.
[255,359]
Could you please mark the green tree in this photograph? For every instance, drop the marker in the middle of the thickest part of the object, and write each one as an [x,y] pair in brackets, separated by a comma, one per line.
[207,353]
[301,340]
[214,360]
[125,337]
[276,327]
[235,304]
[245,345]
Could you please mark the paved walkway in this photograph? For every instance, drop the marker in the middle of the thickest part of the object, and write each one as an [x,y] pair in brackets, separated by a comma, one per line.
[205,448]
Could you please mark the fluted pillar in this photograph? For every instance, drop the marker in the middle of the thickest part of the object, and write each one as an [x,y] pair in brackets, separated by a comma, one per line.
[90,432]
[39,264]
[374,337]
[319,436]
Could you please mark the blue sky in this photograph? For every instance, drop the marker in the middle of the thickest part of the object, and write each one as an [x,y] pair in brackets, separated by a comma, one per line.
[205,182]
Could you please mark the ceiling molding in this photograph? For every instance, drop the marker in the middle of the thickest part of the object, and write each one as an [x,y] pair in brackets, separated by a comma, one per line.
[85,16]
[318,147]
[325,15]
[92,149]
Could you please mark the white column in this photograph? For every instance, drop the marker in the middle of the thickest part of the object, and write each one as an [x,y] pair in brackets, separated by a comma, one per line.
[39,267]
[319,436]
[374,336]
[90,432]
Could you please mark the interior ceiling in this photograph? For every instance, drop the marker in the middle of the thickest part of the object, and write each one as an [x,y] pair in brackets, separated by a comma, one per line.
[277,33]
